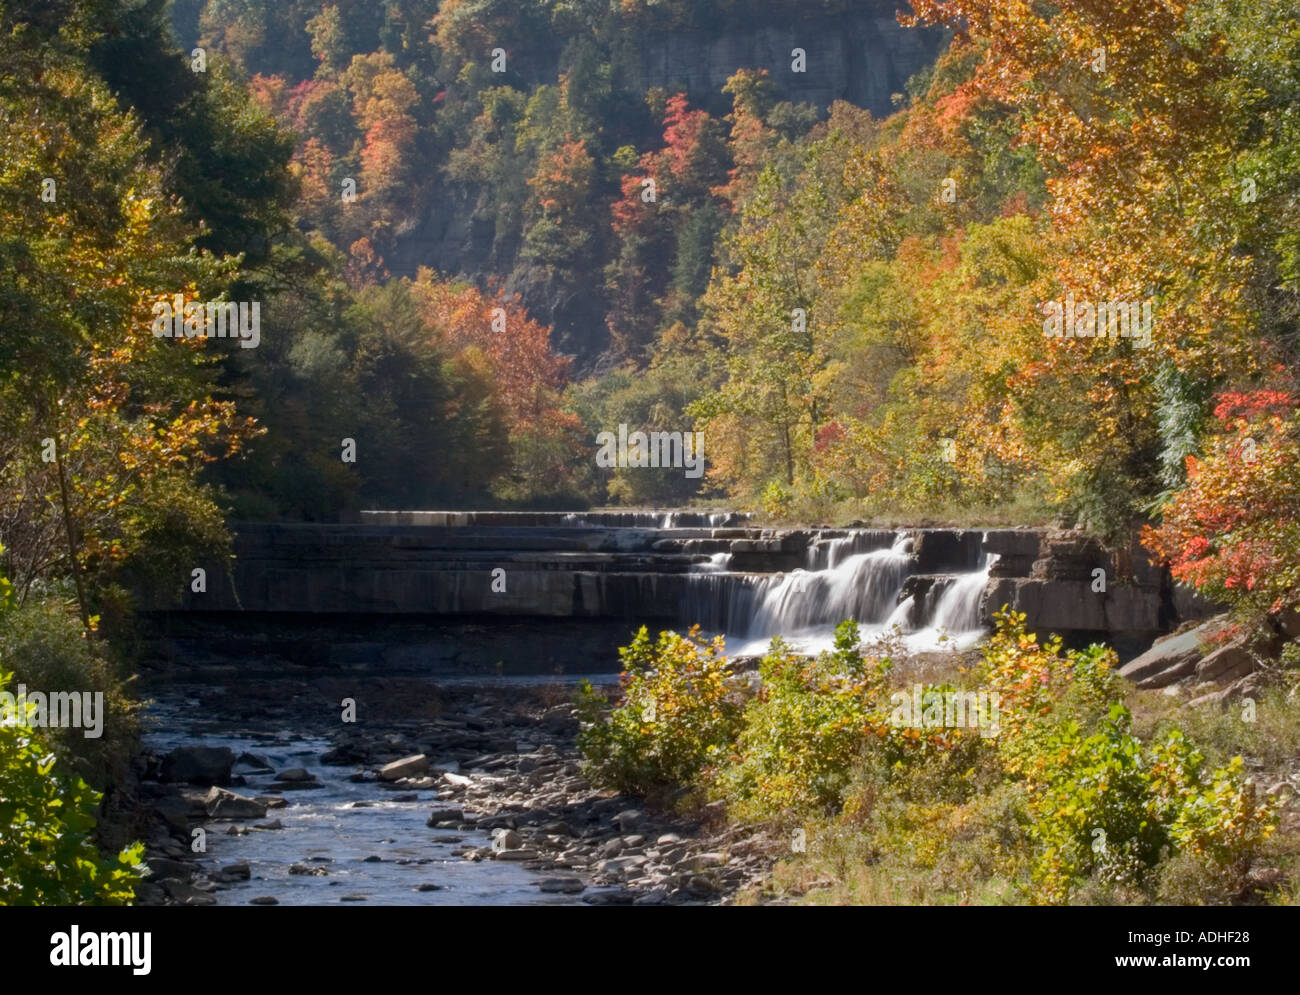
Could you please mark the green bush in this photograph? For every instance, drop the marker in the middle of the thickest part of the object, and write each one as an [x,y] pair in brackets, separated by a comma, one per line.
[43,645]
[48,854]
[804,729]
[677,715]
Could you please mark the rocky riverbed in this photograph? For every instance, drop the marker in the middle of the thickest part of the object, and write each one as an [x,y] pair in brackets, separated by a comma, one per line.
[400,790]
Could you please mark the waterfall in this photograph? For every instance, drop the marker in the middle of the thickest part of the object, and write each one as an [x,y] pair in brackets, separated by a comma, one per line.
[841,581]
[863,586]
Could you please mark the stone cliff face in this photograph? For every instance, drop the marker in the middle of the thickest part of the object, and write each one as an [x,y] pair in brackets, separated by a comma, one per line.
[864,58]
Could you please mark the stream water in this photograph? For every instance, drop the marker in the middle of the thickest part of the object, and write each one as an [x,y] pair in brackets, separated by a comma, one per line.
[326,828]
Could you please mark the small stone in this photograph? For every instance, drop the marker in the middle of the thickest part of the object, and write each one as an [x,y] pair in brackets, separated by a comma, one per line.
[264,900]
[428,886]
[506,839]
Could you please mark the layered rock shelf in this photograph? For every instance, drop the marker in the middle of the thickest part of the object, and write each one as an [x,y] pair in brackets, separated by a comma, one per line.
[657,568]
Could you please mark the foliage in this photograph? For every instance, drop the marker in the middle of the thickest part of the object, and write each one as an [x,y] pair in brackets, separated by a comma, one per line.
[676,716]
[1231,532]
[47,852]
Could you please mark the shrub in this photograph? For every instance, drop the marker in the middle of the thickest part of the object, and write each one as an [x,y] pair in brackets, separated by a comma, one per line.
[42,643]
[677,714]
[47,852]
[804,728]
[1105,805]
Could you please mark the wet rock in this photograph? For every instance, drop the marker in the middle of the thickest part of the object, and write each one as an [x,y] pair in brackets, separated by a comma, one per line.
[451,816]
[264,900]
[203,765]
[308,870]
[344,755]
[187,894]
[238,871]
[561,886]
[428,886]
[610,896]
[251,763]
[223,804]
[295,774]
[272,825]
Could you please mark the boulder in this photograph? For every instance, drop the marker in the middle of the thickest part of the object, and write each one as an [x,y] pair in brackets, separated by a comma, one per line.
[412,766]
[295,774]
[1226,664]
[197,765]
[223,804]
[1168,660]
[238,871]
[251,763]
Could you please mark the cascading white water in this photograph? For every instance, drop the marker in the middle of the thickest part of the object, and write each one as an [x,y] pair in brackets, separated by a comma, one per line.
[718,563]
[804,606]
[864,586]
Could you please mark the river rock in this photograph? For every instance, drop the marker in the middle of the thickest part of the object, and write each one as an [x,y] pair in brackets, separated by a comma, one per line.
[629,820]
[223,804]
[445,815]
[295,774]
[264,900]
[412,766]
[506,839]
[197,765]
[187,894]
[561,886]
[251,763]
[238,871]
[165,867]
